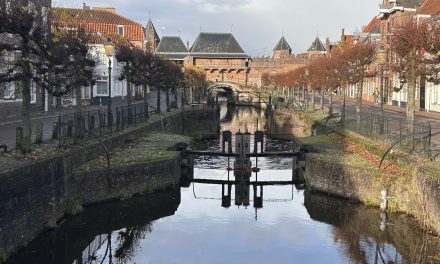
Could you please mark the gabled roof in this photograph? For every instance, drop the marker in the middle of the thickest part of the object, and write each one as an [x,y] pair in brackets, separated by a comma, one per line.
[373,27]
[101,20]
[172,48]
[317,45]
[429,7]
[98,16]
[217,45]
[282,45]
[150,29]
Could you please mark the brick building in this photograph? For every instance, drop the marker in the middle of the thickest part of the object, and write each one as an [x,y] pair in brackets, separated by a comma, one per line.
[102,23]
[220,55]
[101,20]
[283,60]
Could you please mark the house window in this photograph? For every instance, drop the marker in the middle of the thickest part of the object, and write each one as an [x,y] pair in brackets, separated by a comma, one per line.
[121,30]
[33,92]
[9,91]
[102,86]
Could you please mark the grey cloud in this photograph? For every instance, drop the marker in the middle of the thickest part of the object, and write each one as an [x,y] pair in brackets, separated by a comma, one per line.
[257,24]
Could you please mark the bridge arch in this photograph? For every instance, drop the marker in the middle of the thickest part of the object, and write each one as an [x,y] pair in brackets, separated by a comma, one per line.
[223,87]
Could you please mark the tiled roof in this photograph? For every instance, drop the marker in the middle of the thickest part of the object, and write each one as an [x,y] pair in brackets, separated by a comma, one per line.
[172,48]
[317,45]
[282,45]
[98,21]
[373,26]
[101,39]
[217,45]
[430,7]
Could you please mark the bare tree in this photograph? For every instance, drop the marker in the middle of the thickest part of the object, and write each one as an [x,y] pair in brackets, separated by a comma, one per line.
[416,47]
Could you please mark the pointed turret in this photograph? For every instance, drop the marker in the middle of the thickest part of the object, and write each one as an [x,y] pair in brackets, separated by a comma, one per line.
[151,36]
[282,50]
[317,46]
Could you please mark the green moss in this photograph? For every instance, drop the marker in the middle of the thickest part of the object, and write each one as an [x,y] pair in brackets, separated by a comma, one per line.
[125,196]
[3,256]
[74,206]
[154,147]
[369,202]
[393,207]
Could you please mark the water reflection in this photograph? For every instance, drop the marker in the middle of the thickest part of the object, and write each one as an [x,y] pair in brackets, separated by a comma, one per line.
[108,233]
[241,217]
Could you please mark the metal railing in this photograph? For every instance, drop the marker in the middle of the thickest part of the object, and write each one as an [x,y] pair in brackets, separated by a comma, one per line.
[415,137]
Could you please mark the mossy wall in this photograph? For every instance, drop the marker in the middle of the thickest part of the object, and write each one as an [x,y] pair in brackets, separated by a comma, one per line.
[417,194]
[36,196]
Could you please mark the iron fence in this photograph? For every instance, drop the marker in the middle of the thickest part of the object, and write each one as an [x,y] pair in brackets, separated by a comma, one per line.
[388,130]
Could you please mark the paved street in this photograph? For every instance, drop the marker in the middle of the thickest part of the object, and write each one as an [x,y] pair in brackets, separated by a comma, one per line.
[390,112]
[8,127]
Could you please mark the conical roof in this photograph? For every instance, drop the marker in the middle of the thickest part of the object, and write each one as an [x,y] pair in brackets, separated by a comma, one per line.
[317,45]
[283,45]
[150,29]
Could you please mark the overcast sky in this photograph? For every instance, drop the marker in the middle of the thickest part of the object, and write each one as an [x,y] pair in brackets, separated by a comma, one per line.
[257,24]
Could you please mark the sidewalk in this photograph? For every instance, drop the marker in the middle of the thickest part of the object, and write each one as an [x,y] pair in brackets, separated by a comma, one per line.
[392,108]
[8,127]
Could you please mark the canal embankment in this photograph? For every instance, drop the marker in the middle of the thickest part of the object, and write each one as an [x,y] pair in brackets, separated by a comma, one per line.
[38,193]
[344,164]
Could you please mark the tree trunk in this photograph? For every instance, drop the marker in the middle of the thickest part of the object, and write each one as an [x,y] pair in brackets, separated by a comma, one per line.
[190,94]
[313,100]
[129,100]
[330,108]
[411,106]
[145,87]
[167,97]
[322,101]
[158,101]
[360,90]
[26,116]
[176,98]
[343,107]
[79,129]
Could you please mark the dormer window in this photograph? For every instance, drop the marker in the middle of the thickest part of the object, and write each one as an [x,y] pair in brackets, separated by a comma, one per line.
[121,30]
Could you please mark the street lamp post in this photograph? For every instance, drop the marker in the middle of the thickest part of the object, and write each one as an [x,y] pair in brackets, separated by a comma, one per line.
[109,51]
[381,58]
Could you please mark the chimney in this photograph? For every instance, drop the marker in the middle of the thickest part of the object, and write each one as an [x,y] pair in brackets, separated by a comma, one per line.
[86,7]
[187,45]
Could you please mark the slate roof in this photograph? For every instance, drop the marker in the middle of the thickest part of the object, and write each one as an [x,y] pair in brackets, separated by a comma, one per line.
[218,45]
[317,45]
[172,48]
[282,45]
[430,7]
[409,3]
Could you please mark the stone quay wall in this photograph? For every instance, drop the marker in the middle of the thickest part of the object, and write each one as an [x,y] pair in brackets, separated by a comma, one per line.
[417,195]
[37,195]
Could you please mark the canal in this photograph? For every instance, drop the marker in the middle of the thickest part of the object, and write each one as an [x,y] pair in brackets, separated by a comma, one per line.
[254,224]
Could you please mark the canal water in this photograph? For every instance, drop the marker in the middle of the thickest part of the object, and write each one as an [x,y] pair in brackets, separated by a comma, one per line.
[204,224]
